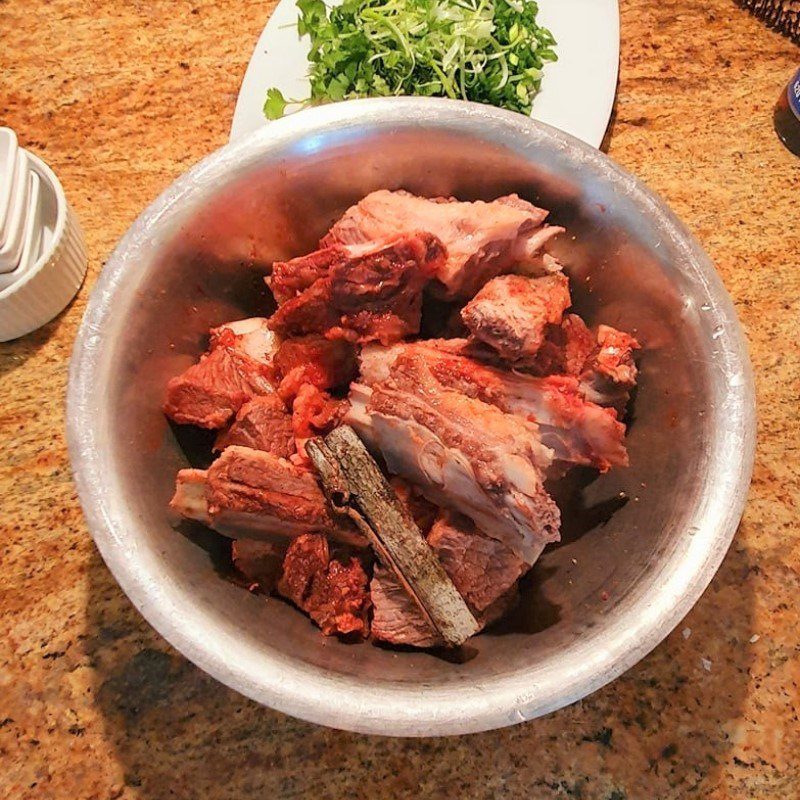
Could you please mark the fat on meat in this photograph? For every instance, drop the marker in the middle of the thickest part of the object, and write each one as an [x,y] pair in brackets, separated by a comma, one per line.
[460,452]
[189,499]
[252,337]
[482,239]
[577,430]
[612,359]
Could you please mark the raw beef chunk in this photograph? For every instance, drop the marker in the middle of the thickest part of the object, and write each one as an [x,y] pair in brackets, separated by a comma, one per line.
[334,595]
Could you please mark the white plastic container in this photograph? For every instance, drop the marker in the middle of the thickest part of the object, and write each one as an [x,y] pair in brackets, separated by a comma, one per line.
[51,263]
[14,183]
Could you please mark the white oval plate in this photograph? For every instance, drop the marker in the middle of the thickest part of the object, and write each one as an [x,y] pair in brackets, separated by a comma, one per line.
[577,91]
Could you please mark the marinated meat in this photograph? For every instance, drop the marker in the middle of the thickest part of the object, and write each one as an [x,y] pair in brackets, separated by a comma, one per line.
[482,568]
[461,452]
[578,431]
[314,413]
[262,423]
[334,595]
[258,562]
[565,349]
[236,368]
[397,620]
[482,240]
[468,428]
[511,313]
[340,602]
[603,360]
[376,295]
[613,358]
[210,392]
[307,558]
[291,278]
[252,494]
[257,484]
[323,363]
[610,372]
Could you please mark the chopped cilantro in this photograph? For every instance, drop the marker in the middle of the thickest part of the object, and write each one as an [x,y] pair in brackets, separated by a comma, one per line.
[274,105]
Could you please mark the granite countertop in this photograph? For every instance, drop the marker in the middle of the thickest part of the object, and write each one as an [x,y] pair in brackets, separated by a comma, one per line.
[120,98]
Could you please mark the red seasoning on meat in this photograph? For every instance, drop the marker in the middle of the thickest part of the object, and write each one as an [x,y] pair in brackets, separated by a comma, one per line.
[250,336]
[243,481]
[565,348]
[374,295]
[610,372]
[511,313]
[613,358]
[315,413]
[251,494]
[461,452]
[305,558]
[291,278]
[334,595]
[324,363]
[577,430]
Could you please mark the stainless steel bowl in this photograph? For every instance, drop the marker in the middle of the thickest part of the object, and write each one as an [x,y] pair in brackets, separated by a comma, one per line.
[640,545]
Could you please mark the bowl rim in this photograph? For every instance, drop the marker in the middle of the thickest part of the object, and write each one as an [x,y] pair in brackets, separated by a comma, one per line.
[342,702]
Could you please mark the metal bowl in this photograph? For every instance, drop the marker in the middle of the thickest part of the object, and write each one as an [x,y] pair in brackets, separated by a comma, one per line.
[639,545]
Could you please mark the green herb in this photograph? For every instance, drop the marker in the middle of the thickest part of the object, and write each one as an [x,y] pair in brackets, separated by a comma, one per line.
[274,105]
[488,51]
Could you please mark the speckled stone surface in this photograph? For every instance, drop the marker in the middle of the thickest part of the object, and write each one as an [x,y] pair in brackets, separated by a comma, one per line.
[120,98]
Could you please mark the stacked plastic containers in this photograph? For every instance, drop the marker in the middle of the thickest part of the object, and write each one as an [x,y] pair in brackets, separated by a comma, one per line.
[42,252]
